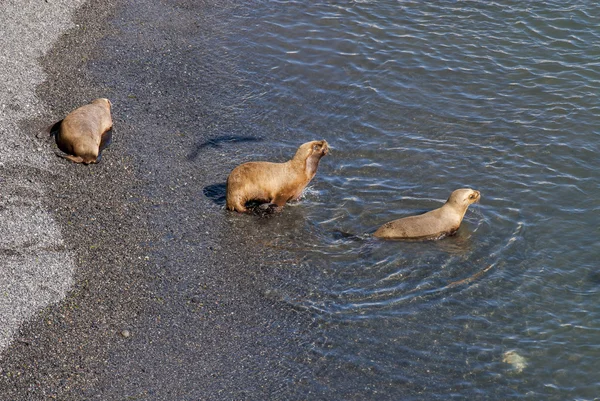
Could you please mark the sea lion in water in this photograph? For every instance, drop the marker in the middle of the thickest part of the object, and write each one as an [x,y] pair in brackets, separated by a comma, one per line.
[274,183]
[85,132]
[434,224]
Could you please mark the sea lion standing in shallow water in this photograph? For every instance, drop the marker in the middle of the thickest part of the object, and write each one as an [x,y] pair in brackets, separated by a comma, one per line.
[434,224]
[274,183]
[85,132]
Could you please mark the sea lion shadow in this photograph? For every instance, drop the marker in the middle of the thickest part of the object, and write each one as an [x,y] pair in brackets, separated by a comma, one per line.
[594,277]
[216,143]
[54,131]
[55,128]
[216,193]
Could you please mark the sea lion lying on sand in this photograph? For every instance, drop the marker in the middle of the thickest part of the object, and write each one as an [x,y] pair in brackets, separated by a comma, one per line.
[434,224]
[274,183]
[85,132]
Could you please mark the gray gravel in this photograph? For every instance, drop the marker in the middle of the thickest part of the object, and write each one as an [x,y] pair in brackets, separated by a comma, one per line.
[171,296]
[36,269]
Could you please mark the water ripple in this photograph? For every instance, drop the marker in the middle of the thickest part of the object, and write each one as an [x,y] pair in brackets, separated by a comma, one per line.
[418,99]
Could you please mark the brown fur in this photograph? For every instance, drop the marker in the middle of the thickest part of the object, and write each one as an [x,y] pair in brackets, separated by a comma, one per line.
[433,224]
[275,183]
[83,131]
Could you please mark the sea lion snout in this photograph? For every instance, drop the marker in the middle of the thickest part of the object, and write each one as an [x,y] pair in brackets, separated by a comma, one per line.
[321,147]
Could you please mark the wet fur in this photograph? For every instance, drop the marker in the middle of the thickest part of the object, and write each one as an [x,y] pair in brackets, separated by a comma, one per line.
[84,132]
[275,183]
[434,224]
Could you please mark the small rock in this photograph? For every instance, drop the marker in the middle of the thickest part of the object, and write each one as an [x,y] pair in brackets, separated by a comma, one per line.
[126,333]
[517,362]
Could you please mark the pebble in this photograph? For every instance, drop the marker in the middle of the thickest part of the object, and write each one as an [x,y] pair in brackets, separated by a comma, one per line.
[517,362]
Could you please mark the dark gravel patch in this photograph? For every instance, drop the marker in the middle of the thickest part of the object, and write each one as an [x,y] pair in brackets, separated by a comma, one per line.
[171,299]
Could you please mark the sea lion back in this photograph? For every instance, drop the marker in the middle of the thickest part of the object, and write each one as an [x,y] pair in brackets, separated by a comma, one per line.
[428,225]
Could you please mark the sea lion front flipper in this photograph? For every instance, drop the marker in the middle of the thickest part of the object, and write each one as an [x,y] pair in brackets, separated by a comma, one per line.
[280,200]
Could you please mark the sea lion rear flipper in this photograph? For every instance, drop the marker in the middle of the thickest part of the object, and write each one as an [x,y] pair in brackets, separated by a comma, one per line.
[74,159]
[266,209]
[338,234]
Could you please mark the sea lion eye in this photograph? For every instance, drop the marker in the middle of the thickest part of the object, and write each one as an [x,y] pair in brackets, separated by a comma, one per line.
[316,147]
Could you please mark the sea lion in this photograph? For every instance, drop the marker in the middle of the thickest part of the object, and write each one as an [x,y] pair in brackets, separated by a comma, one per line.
[85,132]
[434,224]
[274,183]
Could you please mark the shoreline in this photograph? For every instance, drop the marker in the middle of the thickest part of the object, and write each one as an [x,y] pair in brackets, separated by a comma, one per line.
[169,296]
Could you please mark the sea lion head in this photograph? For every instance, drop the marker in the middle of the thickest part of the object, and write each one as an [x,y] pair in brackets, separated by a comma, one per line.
[463,197]
[312,148]
[310,153]
[103,102]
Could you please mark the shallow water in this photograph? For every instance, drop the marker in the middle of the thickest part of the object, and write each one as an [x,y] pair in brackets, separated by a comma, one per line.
[416,100]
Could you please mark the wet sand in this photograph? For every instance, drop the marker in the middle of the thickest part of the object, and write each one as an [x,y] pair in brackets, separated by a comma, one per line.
[169,298]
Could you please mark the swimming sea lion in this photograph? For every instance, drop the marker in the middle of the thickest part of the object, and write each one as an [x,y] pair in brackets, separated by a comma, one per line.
[85,131]
[434,224]
[274,183]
